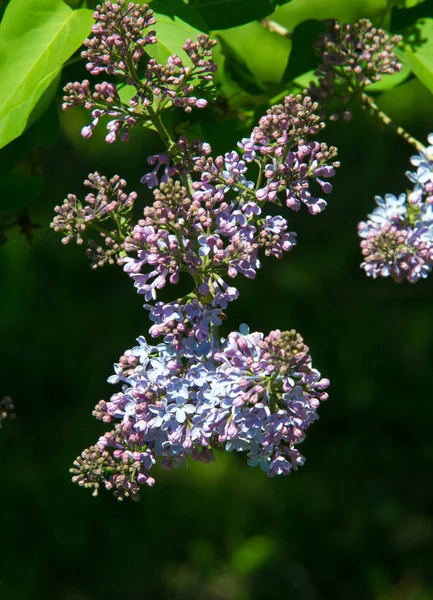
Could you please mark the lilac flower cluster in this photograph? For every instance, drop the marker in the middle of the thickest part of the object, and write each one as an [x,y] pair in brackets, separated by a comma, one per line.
[203,235]
[289,161]
[422,178]
[215,226]
[194,392]
[6,409]
[110,203]
[398,235]
[179,160]
[353,57]
[118,47]
[252,394]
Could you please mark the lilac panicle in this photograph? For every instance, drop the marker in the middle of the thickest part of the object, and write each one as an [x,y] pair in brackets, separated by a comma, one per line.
[6,409]
[422,178]
[353,57]
[120,37]
[397,238]
[110,203]
[117,37]
[193,392]
[291,162]
[252,393]
[202,234]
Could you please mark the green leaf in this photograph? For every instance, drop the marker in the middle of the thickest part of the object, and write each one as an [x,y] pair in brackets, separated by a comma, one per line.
[386,83]
[233,73]
[303,81]
[418,54]
[224,14]
[407,3]
[175,23]
[303,56]
[346,11]
[265,54]
[36,38]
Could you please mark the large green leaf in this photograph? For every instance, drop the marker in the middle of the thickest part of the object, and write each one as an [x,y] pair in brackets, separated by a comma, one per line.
[176,22]
[224,14]
[407,3]
[36,38]
[266,54]
[386,83]
[419,55]
[347,11]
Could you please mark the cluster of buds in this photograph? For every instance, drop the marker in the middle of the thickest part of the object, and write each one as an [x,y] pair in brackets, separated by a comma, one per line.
[6,409]
[118,47]
[353,57]
[111,203]
[398,235]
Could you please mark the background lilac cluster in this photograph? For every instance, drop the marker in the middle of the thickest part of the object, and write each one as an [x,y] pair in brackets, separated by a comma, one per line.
[353,55]
[398,234]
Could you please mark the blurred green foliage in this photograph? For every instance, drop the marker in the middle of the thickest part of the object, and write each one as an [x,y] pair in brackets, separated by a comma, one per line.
[356,523]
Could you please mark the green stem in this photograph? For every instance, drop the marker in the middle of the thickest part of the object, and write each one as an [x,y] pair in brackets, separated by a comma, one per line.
[100,229]
[160,128]
[153,116]
[369,104]
[72,61]
[187,183]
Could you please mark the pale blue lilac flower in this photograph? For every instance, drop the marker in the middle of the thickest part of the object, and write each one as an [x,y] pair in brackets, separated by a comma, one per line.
[253,394]
[422,178]
[397,238]
[400,252]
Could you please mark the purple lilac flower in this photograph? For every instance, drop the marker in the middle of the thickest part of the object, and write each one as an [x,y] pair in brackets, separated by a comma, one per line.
[177,321]
[110,203]
[398,234]
[179,160]
[422,178]
[290,162]
[6,409]
[201,235]
[254,394]
[353,57]
[397,240]
[120,37]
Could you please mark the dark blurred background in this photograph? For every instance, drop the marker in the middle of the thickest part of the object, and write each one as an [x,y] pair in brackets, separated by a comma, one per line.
[356,522]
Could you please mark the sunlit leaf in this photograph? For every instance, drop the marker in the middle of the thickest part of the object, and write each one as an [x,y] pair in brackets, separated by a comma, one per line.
[265,54]
[36,38]
[224,14]
[347,11]
[176,23]
[418,54]
[407,3]
[386,83]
